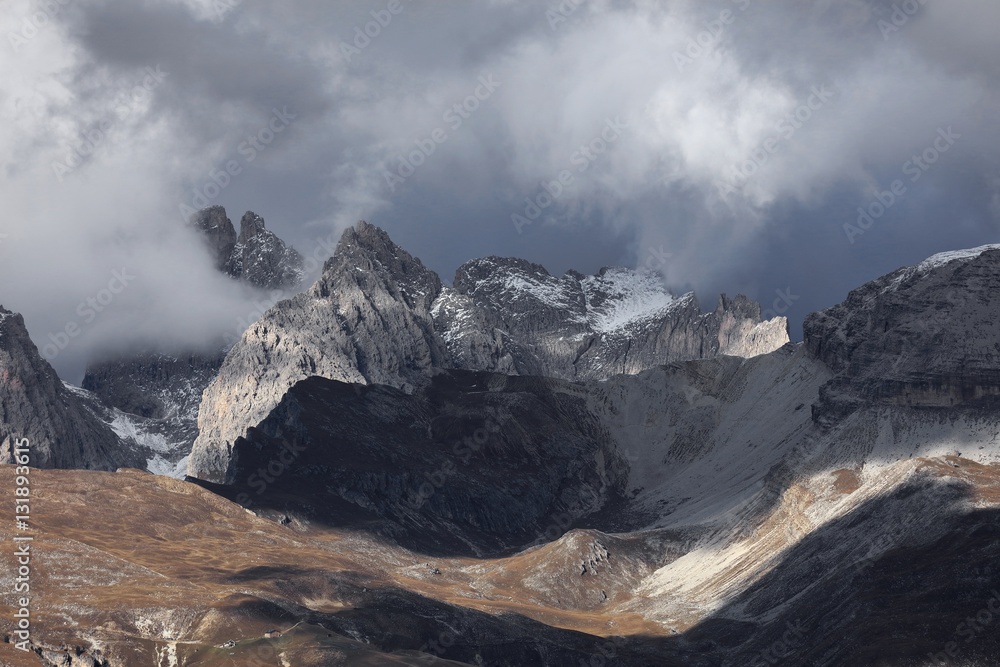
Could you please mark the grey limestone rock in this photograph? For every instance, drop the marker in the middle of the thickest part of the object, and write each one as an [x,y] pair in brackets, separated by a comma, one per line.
[34,404]
[367,320]
[262,259]
[922,336]
[378,316]
[220,236]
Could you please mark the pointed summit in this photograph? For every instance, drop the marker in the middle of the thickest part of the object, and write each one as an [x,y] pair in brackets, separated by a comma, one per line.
[366,321]
[219,233]
[257,256]
[262,259]
[250,226]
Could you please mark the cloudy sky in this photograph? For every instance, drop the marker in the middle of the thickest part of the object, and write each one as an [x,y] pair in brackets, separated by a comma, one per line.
[726,143]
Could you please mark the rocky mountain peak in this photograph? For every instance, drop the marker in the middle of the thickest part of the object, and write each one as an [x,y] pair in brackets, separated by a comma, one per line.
[367,259]
[366,321]
[9,315]
[250,226]
[257,256]
[923,335]
[34,404]
[220,235]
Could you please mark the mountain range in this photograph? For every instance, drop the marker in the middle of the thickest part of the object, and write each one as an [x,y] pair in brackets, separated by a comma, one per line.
[523,469]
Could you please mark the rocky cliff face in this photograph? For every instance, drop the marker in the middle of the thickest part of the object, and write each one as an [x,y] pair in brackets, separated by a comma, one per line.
[159,394]
[377,315]
[474,463]
[257,256]
[922,336]
[34,404]
[219,234]
[588,327]
[263,260]
[154,385]
[367,320]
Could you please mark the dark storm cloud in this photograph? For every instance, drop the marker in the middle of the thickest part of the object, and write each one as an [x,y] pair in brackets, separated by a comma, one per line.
[745,137]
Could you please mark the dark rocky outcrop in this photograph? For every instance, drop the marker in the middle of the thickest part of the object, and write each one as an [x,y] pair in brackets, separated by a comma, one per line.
[261,259]
[219,234]
[34,404]
[924,336]
[154,385]
[257,256]
[474,463]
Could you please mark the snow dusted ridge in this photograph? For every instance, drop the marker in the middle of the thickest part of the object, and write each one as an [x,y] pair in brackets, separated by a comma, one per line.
[512,316]
[158,441]
[606,303]
[618,297]
[943,258]
[895,279]
[553,293]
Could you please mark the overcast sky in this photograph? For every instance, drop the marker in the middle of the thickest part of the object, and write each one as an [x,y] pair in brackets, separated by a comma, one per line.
[725,143]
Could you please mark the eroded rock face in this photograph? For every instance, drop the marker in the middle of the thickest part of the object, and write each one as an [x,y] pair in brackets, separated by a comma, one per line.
[378,316]
[153,385]
[923,336]
[262,259]
[34,404]
[220,236]
[367,320]
[257,256]
[580,327]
